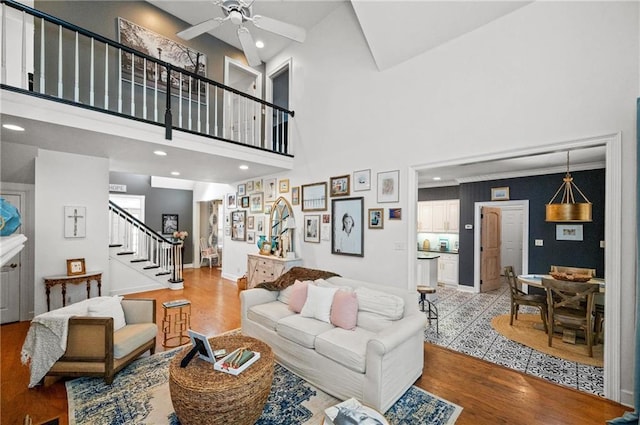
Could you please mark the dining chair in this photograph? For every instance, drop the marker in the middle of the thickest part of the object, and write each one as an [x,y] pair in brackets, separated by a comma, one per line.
[207,252]
[519,297]
[574,270]
[570,305]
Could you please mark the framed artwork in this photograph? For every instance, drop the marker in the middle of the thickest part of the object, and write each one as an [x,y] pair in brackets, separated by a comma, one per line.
[499,193]
[389,186]
[251,221]
[376,218]
[270,190]
[250,186]
[75,267]
[295,195]
[339,185]
[569,232]
[227,230]
[242,189]
[238,219]
[251,237]
[144,40]
[257,185]
[314,197]
[312,228]
[347,216]
[267,208]
[361,180]
[75,222]
[255,202]
[283,186]
[231,200]
[260,225]
[169,224]
[204,348]
[395,213]
[244,202]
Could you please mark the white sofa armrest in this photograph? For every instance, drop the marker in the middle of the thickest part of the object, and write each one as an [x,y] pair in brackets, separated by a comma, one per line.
[255,296]
[390,338]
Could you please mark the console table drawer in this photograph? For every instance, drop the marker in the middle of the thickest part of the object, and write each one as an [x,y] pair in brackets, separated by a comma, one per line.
[261,268]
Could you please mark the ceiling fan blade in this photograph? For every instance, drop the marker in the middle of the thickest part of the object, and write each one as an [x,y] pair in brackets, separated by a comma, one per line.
[249,47]
[201,28]
[281,28]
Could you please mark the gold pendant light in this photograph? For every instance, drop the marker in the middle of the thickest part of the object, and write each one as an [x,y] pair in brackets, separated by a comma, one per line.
[568,210]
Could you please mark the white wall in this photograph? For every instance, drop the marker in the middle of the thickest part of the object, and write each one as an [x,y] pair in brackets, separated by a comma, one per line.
[78,180]
[547,73]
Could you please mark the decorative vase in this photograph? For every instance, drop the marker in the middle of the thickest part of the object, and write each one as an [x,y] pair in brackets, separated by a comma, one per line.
[261,239]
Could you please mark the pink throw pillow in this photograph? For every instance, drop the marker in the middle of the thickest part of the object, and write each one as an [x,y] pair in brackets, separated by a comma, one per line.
[298,296]
[344,311]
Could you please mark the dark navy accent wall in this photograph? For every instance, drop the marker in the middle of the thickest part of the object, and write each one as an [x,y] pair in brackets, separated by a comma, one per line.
[439,193]
[538,190]
[160,201]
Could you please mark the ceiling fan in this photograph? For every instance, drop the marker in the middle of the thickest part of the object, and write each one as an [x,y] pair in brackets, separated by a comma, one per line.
[239,12]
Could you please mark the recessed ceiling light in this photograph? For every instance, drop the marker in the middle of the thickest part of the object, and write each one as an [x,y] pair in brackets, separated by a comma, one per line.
[13,127]
[175,173]
[160,153]
[243,167]
[259,44]
[437,178]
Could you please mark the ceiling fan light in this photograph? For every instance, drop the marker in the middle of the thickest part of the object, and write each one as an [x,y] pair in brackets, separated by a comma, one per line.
[236,17]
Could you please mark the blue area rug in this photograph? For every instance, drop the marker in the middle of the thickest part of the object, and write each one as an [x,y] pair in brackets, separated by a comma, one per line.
[140,395]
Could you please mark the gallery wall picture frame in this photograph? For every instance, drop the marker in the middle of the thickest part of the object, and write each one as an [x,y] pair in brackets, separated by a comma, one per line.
[242,189]
[376,218]
[270,190]
[75,222]
[295,195]
[312,228]
[500,193]
[569,232]
[347,216]
[389,186]
[314,196]
[76,266]
[251,237]
[339,186]
[244,202]
[260,225]
[169,224]
[257,185]
[283,186]
[231,200]
[250,186]
[238,225]
[251,222]
[256,203]
[395,213]
[361,180]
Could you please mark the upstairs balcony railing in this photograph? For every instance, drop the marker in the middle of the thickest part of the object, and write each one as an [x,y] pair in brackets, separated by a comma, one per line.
[45,56]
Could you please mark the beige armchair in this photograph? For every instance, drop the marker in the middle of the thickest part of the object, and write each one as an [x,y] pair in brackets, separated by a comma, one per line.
[94,349]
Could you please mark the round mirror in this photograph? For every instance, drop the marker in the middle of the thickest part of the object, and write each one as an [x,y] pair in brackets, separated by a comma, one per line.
[281,214]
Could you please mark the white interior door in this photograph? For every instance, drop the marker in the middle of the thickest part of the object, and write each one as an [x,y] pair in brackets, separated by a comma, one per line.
[511,249]
[10,275]
[242,118]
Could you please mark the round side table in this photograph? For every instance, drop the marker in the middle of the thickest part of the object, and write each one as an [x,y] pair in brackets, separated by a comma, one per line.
[202,395]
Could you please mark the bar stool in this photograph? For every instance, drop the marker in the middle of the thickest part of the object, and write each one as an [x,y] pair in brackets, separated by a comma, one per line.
[426,293]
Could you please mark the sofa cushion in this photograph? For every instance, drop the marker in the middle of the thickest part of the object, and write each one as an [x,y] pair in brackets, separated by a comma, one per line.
[344,310]
[326,284]
[269,314]
[318,303]
[285,294]
[382,303]
[131,337]
[302,330]
[298,296]
[373,322]
[108,307]
[349,348]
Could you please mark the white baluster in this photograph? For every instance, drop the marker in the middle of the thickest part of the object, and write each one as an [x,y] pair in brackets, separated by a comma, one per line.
[23,50]
[190,101]
[3,58]
[76,72]
[155,92]
[60,94]
[106,76]
[179,102]
[119,80]
[92,77]
[144,88]
[42,64]
[206,95]
[133,87]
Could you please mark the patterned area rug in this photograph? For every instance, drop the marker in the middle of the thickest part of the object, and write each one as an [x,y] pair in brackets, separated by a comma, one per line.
[140,395]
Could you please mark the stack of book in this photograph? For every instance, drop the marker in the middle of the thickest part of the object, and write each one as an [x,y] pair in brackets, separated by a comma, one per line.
[351,411]
[237,361]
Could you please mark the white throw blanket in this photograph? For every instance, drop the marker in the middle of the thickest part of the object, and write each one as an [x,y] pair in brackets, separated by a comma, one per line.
[46,340]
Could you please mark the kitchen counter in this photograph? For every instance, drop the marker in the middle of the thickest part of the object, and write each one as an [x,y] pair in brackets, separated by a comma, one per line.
[450,251]
[427,255]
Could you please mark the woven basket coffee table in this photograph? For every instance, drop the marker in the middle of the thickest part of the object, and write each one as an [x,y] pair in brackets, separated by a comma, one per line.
[202,395]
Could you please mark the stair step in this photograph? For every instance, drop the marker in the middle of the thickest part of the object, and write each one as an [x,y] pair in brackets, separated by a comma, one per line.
[139,260]
[115,245]
[125,253]
[162,273]
[151,267]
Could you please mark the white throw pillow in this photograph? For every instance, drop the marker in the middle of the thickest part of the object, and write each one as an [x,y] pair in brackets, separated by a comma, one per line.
[108,307]
[318,304]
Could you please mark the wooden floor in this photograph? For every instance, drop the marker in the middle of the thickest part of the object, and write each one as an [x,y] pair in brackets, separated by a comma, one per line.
[489,394]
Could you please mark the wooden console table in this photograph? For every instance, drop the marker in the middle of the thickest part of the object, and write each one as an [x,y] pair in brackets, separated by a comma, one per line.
[63,280]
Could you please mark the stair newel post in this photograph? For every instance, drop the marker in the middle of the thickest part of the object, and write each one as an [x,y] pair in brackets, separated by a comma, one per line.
[176,281]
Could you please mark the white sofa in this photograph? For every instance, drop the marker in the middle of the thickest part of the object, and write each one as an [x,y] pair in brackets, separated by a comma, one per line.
[375,363]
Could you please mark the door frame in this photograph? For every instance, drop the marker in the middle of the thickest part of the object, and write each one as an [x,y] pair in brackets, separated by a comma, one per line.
[231,64]
[477,223]
[271,74]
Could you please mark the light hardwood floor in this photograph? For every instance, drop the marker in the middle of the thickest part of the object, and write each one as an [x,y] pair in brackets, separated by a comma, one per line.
[489,394]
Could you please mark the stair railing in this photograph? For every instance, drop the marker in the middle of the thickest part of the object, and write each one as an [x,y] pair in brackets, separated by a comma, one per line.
[144,245]
[79,67]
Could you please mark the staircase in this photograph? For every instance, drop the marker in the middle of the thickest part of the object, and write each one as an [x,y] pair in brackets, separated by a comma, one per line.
[141,255]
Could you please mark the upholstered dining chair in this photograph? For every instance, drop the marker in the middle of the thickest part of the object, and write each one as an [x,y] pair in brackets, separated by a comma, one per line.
[571,306]
[518,298]
[207,252]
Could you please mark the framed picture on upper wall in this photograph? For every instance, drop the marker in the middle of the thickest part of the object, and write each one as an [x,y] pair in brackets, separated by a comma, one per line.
[348,222]
[169,224]
[242,189]
[312,228]
[283,186]
[500,193]
[389,186]
[376,218]
[244,202]
[270,190]
[256,202]
[314,197]
[295,195]
[250,186]
[238,225]
[339,185]
[231,200]
[361,180]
